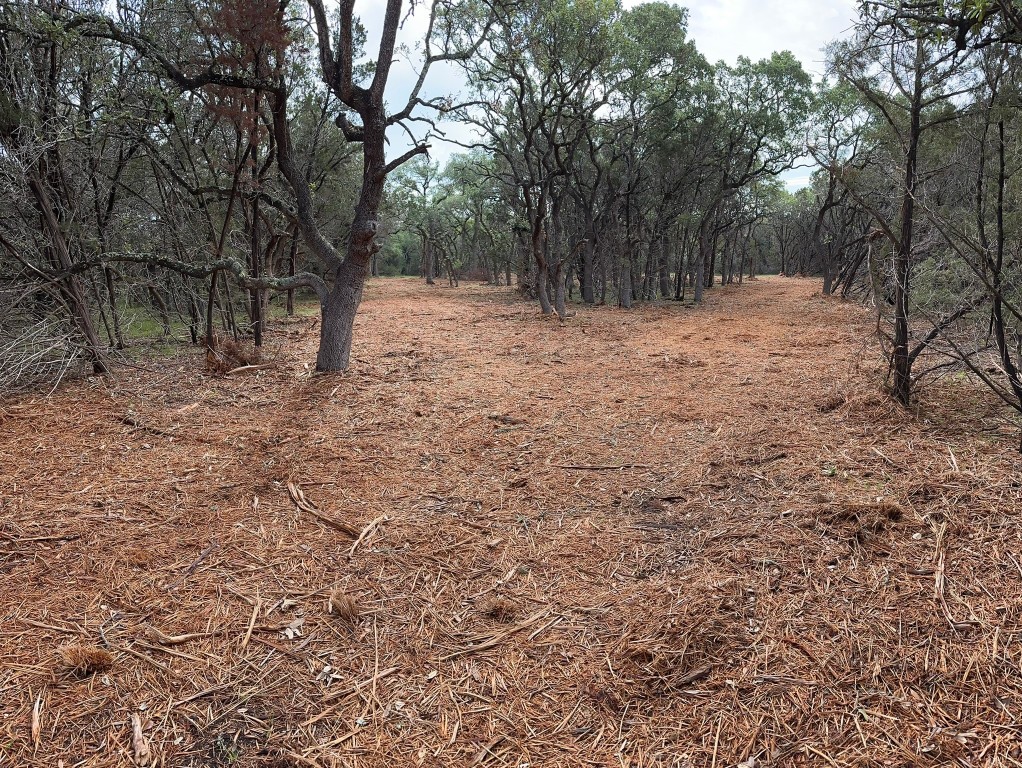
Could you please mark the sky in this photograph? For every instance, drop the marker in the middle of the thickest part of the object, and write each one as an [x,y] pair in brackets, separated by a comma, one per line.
[723,30]
[726,29]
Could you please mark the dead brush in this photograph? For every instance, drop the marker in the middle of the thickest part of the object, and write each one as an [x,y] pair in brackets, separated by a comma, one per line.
[499,609]
[343,606]
[859,521]
[224,356]
[83,660]
[683,643]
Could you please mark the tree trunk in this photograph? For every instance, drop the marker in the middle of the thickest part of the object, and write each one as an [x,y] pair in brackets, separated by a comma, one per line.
[625,284]
[664,267]
[193,317]
[338,310]
[543,291]
[587,286]
[701,260]
[679,276]
[255,303]
[210,304]
[996,267]
[108,275]
[292,258]
[71,286]
[539,255]
[712,266]
[559,279]
[428,257]
[901,359]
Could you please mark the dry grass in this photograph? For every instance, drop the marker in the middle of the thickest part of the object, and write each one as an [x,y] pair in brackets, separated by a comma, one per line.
[228,355]
[343,606]
[666,537]
[83,660]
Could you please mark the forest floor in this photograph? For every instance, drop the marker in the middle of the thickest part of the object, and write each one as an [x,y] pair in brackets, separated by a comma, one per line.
[663,537]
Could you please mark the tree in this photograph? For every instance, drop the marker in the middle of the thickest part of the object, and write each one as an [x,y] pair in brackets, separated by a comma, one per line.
[535,97]
[909,81]
[358,85]
[756,122]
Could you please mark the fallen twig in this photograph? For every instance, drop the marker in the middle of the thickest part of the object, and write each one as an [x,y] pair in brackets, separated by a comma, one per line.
[366,532]
[300,500]
[600,467]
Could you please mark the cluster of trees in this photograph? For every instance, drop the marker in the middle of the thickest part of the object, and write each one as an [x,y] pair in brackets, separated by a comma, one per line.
[916,203]
[165,153]
[610,156]
[204,159]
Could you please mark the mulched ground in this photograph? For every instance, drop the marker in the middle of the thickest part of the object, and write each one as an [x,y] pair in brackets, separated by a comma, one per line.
[663,537]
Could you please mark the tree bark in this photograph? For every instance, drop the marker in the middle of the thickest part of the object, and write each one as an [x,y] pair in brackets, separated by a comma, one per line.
[337,313]
[901,360]
[72,286]
[701,259]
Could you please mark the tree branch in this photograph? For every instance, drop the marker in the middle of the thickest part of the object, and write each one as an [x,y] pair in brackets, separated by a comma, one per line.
[235,267]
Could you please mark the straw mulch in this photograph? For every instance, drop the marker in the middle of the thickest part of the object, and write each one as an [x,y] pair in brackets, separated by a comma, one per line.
[664,537]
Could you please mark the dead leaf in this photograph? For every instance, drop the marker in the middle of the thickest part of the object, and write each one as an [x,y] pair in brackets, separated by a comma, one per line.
[294,629]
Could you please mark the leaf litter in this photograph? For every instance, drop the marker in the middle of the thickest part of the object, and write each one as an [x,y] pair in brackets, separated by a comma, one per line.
[664,537]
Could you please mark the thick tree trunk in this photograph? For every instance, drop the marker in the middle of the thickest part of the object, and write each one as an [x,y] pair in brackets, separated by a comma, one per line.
[828,278]
[558,258]
[340,305]
[428,258]
[539,255]
[338,312]
[543,291]
[560,279]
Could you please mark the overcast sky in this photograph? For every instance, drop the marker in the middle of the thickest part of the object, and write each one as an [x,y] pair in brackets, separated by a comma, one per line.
[726,29]
[722,30]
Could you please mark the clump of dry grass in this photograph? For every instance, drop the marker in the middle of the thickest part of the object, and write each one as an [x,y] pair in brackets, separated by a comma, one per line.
[83,660]
[229,354]
[343,606]
[499,609]
[682,644]
[861,521]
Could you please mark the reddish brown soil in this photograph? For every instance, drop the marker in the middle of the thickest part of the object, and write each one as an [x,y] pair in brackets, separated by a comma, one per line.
[664,537]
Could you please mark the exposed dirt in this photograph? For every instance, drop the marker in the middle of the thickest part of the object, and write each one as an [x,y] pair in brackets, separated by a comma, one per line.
[664,537]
